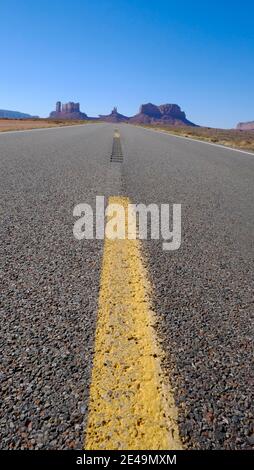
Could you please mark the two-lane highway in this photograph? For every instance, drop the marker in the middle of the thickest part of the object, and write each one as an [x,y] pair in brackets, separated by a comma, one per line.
[202,294]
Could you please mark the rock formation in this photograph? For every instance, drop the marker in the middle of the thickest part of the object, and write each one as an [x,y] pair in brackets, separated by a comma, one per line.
[114,116]
[166,114]
[246,126]
[68,111]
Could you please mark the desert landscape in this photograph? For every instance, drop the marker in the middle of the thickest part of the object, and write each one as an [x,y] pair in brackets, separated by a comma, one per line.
[235,138]
[26,124]
[167,117]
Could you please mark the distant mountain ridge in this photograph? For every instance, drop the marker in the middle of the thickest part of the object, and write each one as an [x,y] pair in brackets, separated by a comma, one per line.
[4,113]
[165,114]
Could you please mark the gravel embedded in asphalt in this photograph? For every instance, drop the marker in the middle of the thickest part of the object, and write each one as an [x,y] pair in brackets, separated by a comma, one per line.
[50,284]
[202,293]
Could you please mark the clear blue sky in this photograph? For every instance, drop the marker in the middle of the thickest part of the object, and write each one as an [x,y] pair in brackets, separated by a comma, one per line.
[199,54]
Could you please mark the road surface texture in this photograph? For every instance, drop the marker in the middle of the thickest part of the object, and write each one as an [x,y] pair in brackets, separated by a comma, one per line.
[202,293]
[50,283]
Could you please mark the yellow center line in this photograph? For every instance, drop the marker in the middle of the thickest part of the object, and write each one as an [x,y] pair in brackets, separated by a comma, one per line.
[130,406]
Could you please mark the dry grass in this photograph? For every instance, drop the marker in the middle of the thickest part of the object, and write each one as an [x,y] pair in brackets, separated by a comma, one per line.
[243,140]
[26,124]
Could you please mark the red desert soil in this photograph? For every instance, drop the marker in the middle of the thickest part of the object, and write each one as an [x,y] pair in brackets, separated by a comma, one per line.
[23,124]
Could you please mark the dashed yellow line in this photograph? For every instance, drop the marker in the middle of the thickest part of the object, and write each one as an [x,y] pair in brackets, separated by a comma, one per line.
[130,406]
[116,134]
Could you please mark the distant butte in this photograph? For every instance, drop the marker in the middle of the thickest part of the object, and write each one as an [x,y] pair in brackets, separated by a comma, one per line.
[114,116]
[166,114]
[68,111]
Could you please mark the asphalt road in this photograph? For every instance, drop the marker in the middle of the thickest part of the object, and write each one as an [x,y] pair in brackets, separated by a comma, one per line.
[50,283]
[202,293]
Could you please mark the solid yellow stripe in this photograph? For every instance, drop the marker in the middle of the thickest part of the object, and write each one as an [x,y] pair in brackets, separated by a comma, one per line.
[130,407]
